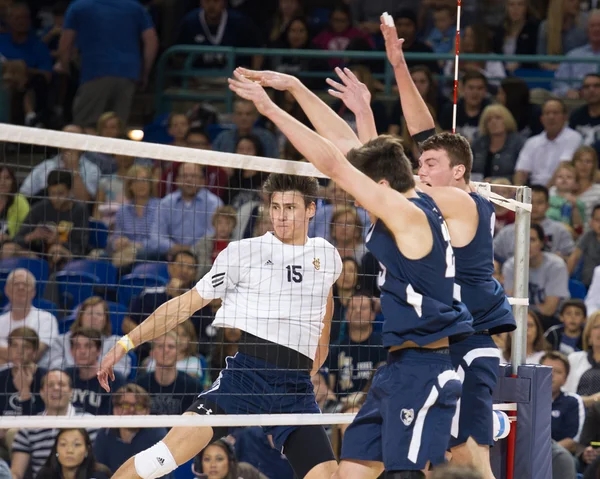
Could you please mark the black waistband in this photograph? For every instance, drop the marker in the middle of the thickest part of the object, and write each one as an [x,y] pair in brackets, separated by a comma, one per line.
[273,353]
[397,354]
[482,333]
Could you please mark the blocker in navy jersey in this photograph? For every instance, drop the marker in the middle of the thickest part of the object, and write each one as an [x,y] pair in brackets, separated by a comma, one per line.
[406,419]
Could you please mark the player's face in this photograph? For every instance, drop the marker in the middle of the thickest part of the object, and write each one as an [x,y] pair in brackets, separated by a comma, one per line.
[71,449]
[94,317]
[559,373]
[290,216]
[85,352]
[20,351]
[572,317]
[214,462]
[435,169]
[56,390]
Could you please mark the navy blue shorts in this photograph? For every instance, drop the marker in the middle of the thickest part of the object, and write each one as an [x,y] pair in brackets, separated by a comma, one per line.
[477,361]
[252,386]
[406,418]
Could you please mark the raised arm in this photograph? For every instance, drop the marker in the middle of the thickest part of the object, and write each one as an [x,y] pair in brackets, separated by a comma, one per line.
[357,98]
[326,122]
[416,113]
[384,202]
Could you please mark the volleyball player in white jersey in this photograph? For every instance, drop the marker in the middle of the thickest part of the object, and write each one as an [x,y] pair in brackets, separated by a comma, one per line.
[276,288]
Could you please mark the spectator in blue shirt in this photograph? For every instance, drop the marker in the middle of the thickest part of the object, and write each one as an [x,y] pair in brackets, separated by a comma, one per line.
[442,37]
[21,44]
[245,116]
[114,446]
[108,34]
[568,410]
[567,336]
[184,216]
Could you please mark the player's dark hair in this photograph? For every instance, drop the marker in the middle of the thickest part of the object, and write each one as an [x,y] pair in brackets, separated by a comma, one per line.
[556,356]
[307,186]
[383,158]
[457,148]
[60,177]
[573,303]
[540,189]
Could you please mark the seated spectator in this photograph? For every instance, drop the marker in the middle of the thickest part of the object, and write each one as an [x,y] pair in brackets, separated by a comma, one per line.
[188,359]
[536,344]
[109,125]
[111,191]
[514,95]
[567,337]
[20,383]
[208,247]
[585,161]
[88,395]
[542,153]
[21,44]
[217,178]
[172,391]
[244,118]
[562,31]
[32,447]
[347,233]
[564,205]
[219,458]
[85,174]
[93,314]
[287,11]
[178,127]
[563,465]
[73,456]
[558,238]
[470,106]
[442,37]
[215,25]
[56,226]
[14,207]
[428,87]
[20,289]
[497,146]
[568,412]
[586,118]
[584,376]
[353,360]
[590,434]
[568,71]
[252,446]
[592,299]
[587,250]
[245,185]
[344,289]
[115,446]
[518,34]
[134,220]
[406,24]
[117,44]
[184,216]
[548,278]
[339,33]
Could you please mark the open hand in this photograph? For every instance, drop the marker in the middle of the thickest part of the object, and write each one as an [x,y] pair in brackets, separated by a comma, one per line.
[252,91]
[393,44]
[355,95]
[266,78]
[106,372]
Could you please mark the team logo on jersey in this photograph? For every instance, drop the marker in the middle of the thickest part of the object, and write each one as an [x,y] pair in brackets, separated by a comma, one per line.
[407,416]
[317,263]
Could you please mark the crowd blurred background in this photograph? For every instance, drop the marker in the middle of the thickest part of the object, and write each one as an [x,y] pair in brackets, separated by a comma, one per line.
[92,243]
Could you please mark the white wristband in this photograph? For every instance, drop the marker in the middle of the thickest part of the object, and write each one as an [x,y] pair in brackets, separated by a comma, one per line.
[126,343]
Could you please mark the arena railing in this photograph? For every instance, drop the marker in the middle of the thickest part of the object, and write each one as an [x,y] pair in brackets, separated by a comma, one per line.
[187,54]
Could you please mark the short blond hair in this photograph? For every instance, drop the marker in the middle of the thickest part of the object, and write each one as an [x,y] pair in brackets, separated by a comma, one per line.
[587,331]
[509,120]
[106,117]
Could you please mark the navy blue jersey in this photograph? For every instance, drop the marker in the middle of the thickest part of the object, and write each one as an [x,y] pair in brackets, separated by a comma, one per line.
[476,287]
[417,295]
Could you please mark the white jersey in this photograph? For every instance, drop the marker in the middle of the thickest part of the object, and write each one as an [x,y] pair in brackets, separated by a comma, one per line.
[273,290]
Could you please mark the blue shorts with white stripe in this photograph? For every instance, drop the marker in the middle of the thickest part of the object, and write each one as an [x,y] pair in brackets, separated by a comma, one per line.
[405,421]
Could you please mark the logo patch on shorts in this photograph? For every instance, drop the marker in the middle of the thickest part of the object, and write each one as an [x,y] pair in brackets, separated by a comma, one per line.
[407,416]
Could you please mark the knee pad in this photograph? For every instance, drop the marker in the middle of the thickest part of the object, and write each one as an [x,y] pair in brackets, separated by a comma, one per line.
[404,475]
[154,462]
[307,447]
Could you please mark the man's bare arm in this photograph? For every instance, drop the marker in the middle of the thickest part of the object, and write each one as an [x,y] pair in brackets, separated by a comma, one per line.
[323,347]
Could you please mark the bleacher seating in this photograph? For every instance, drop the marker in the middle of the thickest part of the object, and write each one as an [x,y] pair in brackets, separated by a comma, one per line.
[133,284]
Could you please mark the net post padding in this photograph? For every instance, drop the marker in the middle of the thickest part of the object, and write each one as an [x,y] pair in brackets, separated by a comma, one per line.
[532,391]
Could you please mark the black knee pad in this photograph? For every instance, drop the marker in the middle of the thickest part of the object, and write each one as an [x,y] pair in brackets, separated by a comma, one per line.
[307,447]
[404,475]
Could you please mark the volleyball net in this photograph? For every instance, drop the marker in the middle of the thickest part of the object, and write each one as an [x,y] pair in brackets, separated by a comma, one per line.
[97,233]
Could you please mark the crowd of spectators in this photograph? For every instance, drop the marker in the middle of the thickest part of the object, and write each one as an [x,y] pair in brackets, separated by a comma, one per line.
[70,294]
